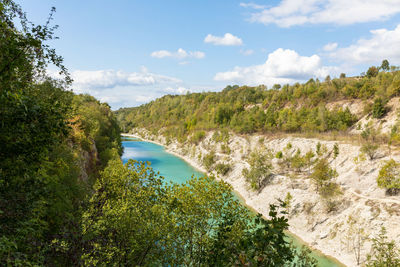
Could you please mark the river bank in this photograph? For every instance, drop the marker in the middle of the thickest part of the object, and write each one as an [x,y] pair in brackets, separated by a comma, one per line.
[361,205]
[296,239]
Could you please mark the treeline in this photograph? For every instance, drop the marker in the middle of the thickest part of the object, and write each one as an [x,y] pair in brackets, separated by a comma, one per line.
[290,108]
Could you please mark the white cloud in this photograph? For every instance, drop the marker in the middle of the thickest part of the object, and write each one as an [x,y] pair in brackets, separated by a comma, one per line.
[330,47]
[252,5]
[383,44]
[177,90]
[228,40]
[179,54]
[341,12]
[103,79]
[247,52]
[282,66]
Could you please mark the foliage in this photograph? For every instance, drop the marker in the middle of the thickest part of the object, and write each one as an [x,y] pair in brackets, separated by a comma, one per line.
[223,168]
[378,108]
[45,172]
[372,72]
[197,137]
[385,65]
[134,220]
[369,149]
[323,175]
[209,161]
[279,155]
[389,177]
[384,253]
[260,168]
[355,236]
[335,150]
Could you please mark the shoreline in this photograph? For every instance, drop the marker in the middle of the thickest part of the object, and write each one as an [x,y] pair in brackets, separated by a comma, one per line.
[240,196]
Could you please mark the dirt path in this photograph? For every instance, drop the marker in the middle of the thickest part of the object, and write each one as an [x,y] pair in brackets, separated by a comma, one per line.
[376,199]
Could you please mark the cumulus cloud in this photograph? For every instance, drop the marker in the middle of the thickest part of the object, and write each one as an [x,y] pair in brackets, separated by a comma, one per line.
[103,79]
[179,54]
[341,12]
[177,90]
[227,40]
[282,66]
[330,47]
[383,44]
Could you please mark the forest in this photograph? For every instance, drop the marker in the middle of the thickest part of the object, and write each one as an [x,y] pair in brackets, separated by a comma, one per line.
[298,108]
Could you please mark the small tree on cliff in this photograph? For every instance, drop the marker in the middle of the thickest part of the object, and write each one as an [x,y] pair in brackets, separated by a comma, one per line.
[260,168]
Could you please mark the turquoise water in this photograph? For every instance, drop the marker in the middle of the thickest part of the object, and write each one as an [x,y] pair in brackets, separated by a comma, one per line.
[177,170]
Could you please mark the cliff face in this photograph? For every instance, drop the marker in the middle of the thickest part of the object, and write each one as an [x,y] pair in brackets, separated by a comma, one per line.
[330,226]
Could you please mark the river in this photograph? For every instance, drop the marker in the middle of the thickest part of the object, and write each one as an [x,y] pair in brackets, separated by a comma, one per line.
[175,169]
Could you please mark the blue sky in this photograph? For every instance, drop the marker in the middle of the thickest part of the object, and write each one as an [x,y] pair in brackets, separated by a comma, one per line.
[128,52]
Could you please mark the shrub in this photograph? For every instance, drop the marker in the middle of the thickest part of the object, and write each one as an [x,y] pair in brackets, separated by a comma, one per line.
[197,137]
[389,177]
[323,173]
[209,161]
[223,168]
[370,150]
[378,108]
[260,169]
[384,252]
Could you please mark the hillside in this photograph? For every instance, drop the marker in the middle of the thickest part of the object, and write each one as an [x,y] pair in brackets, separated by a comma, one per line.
[300,108]
[296,129]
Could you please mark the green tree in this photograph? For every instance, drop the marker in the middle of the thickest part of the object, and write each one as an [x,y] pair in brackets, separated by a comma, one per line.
[384,253]
[322,173]
[378,108]
[260,168]
[372,72]
[385,65]
[389,177]
[335,150]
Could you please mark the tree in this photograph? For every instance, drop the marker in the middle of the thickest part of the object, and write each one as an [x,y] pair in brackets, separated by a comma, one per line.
[288,201]
[323,174]
[308,159]
[370,150]
[355,236]
[260,168]
[134,219]
[335,150]
[384,253]
[342,75]
[385,65]
[372,72]
[378,108]
[389,177]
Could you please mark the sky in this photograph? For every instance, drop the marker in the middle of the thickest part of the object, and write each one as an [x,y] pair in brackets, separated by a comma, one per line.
[129,52]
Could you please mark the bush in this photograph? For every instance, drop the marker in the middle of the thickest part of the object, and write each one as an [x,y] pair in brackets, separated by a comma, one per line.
[378,108]
[384,252]
[370,150]
[389,177]
[197,137]
[223,168]
[323,174]
[209,160]
[260,169]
